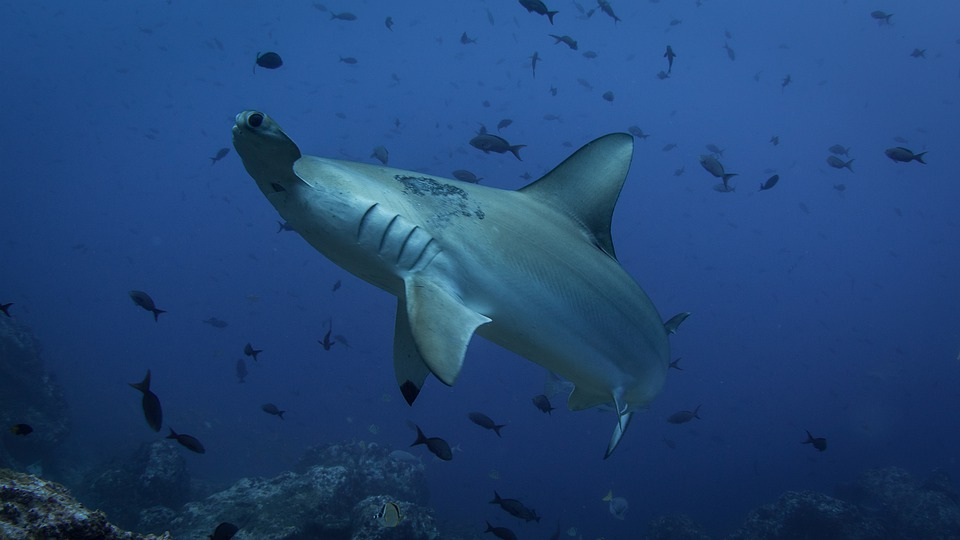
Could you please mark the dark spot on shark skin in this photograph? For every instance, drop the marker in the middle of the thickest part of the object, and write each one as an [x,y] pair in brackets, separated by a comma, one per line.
[454,199]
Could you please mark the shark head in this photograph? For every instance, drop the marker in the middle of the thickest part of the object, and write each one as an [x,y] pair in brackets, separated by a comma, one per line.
[532,270]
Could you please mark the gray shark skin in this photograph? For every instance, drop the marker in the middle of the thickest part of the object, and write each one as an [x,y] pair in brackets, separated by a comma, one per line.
[532,270]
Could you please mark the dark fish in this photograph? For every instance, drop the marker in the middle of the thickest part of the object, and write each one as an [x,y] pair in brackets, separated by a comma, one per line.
[881,16]
[569,41]
[436,445]
[284,226]
[840,187]
[326,343]
[772,181]
[839,150]
[818,442]
[608,96]
[268,60]
[5,308]
[715,168]
[250,351]
[215,322]
[21,429]
[150,402]
[674,322]
[466,40]
[786,80]
[541,402]
[606,8]
[668,147]
[492,143]
[380,152]
[589,54]
[533,62]
[679,172]
[675,364]
[919,53]
[730,54]
[775,139]
[904,155]
[669,55]
[515,508]
[221,153]
[241,369]
[348,60]
[553,90]
[682,417]
[838,163]
[270,408]
[343,16]
[637,132]
[484,421]
[224,531]
[388,22]
[504,123]
[500,532]
[189,441]
[336,286]
[466,176]
[663,75]
[538,7]
[715,149]
[143,300]
[585,83]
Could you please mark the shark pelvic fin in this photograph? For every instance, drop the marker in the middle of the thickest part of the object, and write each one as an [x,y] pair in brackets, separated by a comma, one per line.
[408,365]
[587,184]
[441,327]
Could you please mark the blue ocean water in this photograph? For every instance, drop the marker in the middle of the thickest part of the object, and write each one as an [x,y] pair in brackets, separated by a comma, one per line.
[812,308]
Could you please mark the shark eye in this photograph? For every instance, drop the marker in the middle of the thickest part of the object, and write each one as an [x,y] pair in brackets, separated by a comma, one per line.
[255,120]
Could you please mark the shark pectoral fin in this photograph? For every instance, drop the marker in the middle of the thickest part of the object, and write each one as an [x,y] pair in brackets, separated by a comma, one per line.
[623,420]
[408,365]
[441,326]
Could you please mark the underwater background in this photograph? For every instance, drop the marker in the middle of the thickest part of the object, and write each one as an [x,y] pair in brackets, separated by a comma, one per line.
[827,303]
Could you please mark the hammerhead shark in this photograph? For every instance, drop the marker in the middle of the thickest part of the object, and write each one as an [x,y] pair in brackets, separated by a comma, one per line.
[532,270]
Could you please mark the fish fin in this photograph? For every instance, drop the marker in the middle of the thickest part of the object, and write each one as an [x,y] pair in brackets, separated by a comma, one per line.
[580,400]
[441,326]
[408,366]
[144,385]
[918,157]
[623,420]
[587,184]
[516,150]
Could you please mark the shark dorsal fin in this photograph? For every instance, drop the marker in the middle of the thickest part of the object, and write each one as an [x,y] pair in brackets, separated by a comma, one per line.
[587,184]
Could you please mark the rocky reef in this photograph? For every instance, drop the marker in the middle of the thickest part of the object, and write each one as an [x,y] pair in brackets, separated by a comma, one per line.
[335,494]
[154,476]
[28,395]
[31,508]
[883,504]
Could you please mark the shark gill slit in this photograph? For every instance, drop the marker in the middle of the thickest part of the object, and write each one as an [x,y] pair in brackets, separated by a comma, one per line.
[423,252]
[386,232]
[403,247]
[363,220]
